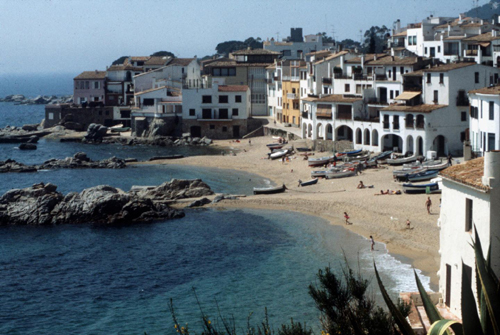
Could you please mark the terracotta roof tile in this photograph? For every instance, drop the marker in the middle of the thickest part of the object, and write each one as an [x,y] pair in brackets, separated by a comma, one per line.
[139,58]
[333,98]
[92,75]
[181,61]
[368,57]
[493,90]
[486,37]
[255,52]
[413,109]
[469,173]
[158,60]
[441,68]
[233,88]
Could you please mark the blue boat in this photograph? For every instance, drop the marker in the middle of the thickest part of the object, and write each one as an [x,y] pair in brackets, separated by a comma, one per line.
[419,176]
[348,153]
[421,188]
[309,182]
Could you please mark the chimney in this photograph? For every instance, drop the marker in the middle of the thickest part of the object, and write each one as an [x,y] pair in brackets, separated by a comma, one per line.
[392,58]
[362,59]
[460,17]
[392,53]
[491,175]
[374,56]
[96,71]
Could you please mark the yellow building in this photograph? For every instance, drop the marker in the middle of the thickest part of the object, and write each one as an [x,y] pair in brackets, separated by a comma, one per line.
[291,92]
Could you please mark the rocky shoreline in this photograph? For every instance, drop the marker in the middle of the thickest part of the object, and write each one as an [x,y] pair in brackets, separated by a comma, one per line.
[41,204]
[20,99]
[78,161]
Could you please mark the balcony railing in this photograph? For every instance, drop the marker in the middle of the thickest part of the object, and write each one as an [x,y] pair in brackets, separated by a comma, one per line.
[344,116]
[420,125]
[340,76]
[360,76]
[462,101]
[291,95]
[327,81]
[471,52]
[305,115]
[380,77]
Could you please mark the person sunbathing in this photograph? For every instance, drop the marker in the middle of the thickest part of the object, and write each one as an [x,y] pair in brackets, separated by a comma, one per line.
[361,185]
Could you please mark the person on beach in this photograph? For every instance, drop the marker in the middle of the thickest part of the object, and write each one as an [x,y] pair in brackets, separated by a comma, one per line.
[346,218]
[300,182]
[358,169]
[372,241]
[428,204]
[449,159]
[361,185]
[408,222]
[249,142]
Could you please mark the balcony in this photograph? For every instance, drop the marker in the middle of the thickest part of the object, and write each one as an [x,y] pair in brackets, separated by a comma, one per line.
[376,101]
[340,76]
[291,96]
[462,101]
[269,80]
[420,125]
[471,52]
[305,115]
[386,125]
[344,116]
[380,77]
[360,76]
[327,81]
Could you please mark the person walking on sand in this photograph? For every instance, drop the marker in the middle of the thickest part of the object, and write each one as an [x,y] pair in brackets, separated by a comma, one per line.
[428,204]
[346,218]
[449,159]
[408,222]
[372,241]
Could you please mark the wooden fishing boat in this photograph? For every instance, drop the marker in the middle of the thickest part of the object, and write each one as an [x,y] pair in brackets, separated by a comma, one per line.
[360,157]
[421,188]
[332,174]
[378,158]
[401,161]
[309,182]
[348,153]
[269,190]
[278,154]
[303,149]
[420,176]
[436,165]
[319,161]
[404,172]
[272,146]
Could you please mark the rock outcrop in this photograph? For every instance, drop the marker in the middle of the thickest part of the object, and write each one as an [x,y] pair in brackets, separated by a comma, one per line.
[78,161]
[20,99]
[96,132]
[41,204]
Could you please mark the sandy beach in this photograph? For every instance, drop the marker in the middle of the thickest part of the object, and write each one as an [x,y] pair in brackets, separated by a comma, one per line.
[383,216]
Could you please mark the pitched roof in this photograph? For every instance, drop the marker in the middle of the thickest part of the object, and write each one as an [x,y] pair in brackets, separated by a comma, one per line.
[334,98]
[403,33]
[233,88]
[151,90]
[254,52]
[486,37]
[333,56]
[319,53]
[124,68]
[493,90]
[233,63]
[368,57]
[139,58]
[181,61]
[394,60]
[158,60]
[413,109]
[469,173]
[91,75]
[441,68]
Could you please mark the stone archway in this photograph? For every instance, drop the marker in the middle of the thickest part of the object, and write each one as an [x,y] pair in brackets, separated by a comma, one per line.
[439,146]
[366,137]
[343,133]
[391,142]
[420,146]
[329,132]
[319,131]
[409,145]
[358,136]
[375,138]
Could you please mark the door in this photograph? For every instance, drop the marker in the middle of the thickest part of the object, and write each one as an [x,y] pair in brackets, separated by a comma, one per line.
[448,285]
[382,95]
[236,131]
[491,141]
[433,52]
[394,73]
[195,131]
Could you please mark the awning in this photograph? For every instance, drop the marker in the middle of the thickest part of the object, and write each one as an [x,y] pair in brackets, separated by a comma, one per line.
[485,44]
[407,95]
[324,111]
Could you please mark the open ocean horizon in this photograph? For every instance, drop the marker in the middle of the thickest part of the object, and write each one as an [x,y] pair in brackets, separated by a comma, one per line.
[87,279]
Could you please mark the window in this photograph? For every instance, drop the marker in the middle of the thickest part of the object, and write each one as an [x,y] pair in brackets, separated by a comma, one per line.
[223,114]
[237,98]
[425,50]
[192,112]
[296,105]
[96,85]
[391,94]
[439,48]
[397,93]
[325,90]
[347,88]
[148,102]
[224,129]
[428,78]
[212,126]
[386,122]
[206,99]
[462,136]
[441,78]
[100,112]
[468,215]
[87,85]
[401,70]
[223,99]
[258,98]
[107,112]
[492,110]
[463,116]
[206,113]
[395,123]
[476,77]
[182,70]
[235,111]
[390,74]
[436,96]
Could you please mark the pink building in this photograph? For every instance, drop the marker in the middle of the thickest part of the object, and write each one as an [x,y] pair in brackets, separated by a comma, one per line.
[90,86]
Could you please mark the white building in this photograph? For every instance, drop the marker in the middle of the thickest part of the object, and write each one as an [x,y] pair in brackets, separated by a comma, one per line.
[484,129]
[470,198]
[218,112]
[296,46]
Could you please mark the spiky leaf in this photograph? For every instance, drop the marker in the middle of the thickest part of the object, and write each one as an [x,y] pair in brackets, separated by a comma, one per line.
[400,320]
[488,286]
[441,326]
[430,308]
[470,318]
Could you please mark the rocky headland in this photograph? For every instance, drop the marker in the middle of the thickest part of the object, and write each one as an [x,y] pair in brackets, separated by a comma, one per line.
[41,204]
[20,99]
[78,161]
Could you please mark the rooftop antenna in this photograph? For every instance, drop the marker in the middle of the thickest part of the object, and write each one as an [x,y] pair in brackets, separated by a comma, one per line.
[431,13]
[475,3]
[333,31]
[277,36]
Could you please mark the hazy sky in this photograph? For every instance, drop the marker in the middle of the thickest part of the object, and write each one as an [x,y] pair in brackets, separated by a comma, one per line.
[71,36]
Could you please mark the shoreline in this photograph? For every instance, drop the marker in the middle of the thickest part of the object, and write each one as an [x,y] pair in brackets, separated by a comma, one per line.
[383,217]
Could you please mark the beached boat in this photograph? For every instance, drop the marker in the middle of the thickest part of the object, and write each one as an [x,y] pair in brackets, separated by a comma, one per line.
[436,165]
[278,154]
[360,157]
[273,146]
[309,182]
[332,174]
[348,153]
[405,171]
[421,188]
[401,161]
[319,161]
[378,158]
[421,176]
[269,190]
[303,149]
[318,173]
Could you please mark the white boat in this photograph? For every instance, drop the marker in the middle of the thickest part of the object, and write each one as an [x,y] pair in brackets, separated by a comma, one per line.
[339,174]
[319,161]
[278,154]
[360,157]
[436,165]
[403,172]
[401,161]
[421,188]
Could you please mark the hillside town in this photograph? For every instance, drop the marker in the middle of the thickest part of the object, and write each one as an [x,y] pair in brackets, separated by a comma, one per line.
[433,92]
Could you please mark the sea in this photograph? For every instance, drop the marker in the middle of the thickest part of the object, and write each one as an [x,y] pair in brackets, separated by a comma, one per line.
[231,264]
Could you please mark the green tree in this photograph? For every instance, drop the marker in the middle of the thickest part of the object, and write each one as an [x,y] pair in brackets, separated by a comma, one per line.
[225,48]
[163,54]
[120,60]
[326,39]
[350,44]
[375,39]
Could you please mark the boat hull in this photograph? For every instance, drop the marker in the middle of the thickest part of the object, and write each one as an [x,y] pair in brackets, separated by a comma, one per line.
[426,188]
[269,190]
[309,182]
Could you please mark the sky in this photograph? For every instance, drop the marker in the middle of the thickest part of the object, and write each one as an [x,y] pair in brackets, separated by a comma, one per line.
[71,36]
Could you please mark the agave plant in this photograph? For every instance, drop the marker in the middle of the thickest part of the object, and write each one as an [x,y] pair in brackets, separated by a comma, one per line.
[479,318]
